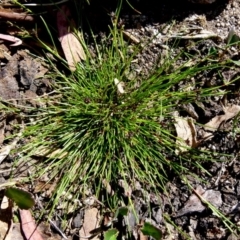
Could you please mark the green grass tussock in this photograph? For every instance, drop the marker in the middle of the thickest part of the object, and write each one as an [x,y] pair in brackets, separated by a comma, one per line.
[96,128]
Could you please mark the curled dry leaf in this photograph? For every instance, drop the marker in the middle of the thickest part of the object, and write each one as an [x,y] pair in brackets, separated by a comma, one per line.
[186,133]
[16,41]
[214,123]
[71,45]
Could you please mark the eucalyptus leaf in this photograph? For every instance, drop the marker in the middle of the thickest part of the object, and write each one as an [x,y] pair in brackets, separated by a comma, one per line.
[111,234]
[150,230]
[121,211]
[22,198]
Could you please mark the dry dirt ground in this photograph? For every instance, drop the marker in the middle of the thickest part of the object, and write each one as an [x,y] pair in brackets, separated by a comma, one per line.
[22,78]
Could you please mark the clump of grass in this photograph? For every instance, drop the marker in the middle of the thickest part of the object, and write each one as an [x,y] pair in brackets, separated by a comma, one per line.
[92,131]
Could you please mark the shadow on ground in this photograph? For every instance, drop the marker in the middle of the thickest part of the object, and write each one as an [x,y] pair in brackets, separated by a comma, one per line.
[161,11]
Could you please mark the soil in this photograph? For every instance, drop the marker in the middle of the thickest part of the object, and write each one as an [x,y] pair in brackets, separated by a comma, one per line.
[23,77]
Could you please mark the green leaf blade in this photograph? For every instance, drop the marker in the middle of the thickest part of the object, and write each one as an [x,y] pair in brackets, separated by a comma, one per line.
[111,234]
[22,198]
[150,230]
[121,211]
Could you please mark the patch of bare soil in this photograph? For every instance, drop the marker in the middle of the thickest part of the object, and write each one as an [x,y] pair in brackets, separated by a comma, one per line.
[161,25]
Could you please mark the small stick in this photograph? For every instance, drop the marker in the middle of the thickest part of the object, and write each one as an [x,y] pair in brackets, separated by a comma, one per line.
[15,16]
[51,222]
[43,4]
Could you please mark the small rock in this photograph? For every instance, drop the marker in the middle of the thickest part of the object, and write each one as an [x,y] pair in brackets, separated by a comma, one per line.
[194,204]
[77,221]
[157,214]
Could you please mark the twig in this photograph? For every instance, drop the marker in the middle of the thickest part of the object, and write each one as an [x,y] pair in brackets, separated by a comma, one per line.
[51,222]
[33,4]
[58,229]
[15,16]
[44,4]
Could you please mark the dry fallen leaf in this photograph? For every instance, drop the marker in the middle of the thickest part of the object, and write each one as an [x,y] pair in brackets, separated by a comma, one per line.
[46,187]
[214,123]
[186,133]
[90,222]
[28,225]
[233,236]
[5,219]
[71,45]
[16,41]
[47,233]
